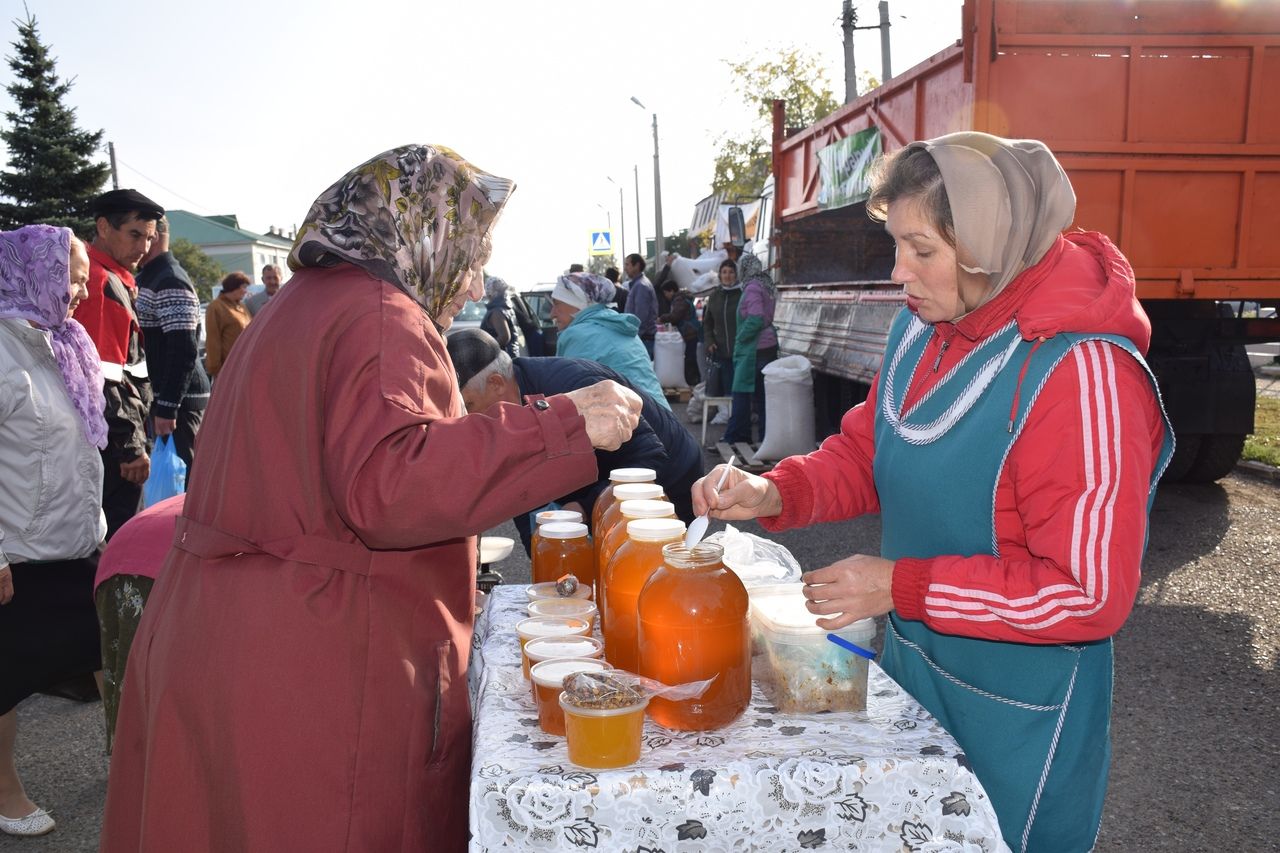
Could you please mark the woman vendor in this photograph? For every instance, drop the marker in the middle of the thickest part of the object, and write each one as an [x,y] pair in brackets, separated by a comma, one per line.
[1011,442]
[298,678]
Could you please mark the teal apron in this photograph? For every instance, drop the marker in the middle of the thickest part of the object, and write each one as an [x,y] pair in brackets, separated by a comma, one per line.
[1033,720]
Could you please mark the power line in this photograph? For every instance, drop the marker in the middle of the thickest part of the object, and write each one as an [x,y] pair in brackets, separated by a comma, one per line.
[163,187]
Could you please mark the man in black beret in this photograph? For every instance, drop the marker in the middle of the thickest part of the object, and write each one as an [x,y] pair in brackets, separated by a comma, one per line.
[124,226]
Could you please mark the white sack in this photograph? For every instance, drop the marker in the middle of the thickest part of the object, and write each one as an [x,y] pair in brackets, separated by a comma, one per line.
[668,359]
[788,407]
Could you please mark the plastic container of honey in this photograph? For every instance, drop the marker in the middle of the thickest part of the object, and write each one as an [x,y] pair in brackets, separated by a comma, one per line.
[548,626]
[563,549]
[617,477]
[601,738]
[632,565]
[548,683]
[582,608]
[546,517]
[694,625]
[800,670]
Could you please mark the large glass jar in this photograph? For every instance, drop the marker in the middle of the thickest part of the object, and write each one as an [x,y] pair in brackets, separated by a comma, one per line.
[630,511]
[632,565]
[616,477]
[613,513]
[693,625]
[563,548]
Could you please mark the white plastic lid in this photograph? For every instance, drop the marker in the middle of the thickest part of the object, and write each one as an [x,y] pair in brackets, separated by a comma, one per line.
[562,530]
[551,626]
[647,509]
[550,515]
[655,529]
[551,672]
[637,492]
[546,648]
[547,589]
[632,475]
[780,608]
[583,608]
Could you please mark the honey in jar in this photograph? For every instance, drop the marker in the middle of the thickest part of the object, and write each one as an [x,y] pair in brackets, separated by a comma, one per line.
[548,626]
[693,625]
[630,511]
[541,649]
[546,517]
[548,683]
[563,549]
[613,513]
[617,477]
[632,564]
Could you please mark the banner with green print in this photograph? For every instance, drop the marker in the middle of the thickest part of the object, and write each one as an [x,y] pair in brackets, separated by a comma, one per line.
[844,169]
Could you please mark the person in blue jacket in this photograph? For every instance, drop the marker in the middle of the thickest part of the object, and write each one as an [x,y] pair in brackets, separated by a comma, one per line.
[590,329]
[487,375]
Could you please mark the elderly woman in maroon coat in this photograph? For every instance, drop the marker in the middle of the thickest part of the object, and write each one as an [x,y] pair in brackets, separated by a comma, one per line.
[298,680]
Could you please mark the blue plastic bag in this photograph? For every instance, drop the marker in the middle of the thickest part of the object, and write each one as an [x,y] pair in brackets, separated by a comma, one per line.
[168,475]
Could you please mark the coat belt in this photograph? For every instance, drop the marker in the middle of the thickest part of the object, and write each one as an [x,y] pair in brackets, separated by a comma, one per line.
[210,543]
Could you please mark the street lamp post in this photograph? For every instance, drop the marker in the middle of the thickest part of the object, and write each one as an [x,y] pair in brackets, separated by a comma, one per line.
[635,173]
[657,190]
[622,217]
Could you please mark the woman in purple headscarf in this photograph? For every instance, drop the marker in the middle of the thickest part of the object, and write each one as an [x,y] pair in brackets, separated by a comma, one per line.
[51,428]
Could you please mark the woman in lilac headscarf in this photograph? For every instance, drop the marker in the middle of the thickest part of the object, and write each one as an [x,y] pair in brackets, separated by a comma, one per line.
[51,427]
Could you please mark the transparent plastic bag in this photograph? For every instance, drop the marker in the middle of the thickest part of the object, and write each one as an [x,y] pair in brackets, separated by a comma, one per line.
[755,560]
[617,688]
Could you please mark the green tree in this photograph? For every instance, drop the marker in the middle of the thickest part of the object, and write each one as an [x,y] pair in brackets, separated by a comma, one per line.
[205,272]
[599,263]
[51,176]
[743,163]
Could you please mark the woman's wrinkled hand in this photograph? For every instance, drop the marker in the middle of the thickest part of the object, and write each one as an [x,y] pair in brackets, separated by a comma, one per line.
[854,588]
[611,412]
[743,496]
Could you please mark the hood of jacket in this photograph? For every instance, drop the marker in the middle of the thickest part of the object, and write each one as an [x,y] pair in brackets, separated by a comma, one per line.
[1082,284]
[605,318]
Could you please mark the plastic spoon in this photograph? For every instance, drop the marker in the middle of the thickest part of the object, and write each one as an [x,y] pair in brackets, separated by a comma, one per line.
[698,527]
[845,644]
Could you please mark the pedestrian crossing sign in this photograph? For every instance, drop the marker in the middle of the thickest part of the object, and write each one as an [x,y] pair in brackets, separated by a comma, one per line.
[601,243]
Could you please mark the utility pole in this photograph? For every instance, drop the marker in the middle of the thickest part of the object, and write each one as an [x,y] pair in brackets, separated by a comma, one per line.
[115,176]
[848,18]
[886,66]
[635,170]
[622,216]
[658,245]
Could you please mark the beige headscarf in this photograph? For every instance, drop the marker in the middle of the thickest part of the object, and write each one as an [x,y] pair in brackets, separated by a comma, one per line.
[417,216]
[1010,199]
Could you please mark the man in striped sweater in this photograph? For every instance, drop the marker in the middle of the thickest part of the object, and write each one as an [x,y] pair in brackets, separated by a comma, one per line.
[169,314]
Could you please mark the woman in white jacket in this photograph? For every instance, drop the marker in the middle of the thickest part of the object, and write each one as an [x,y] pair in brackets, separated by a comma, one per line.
[51,521]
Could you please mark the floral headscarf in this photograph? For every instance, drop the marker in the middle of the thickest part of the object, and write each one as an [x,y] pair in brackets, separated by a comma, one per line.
[750,269]
[35,285]
[581,289]
[417,216]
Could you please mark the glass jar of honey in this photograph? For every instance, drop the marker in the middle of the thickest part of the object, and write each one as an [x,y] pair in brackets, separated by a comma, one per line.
[630,511]
[632,564]
[693,625]
[548,516]
[563,549]
[613,513]
[617,477]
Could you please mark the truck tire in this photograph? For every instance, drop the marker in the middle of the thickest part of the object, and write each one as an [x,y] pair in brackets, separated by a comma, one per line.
[1217,458]
[1185,453]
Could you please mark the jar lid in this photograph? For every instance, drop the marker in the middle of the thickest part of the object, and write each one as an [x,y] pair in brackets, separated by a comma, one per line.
[680,556]
[632,475]
[546,648]
[647,509]
[562,530]
[551,672]
[549,515]
[552,626]
[637,492]
[655,529]
[547,589]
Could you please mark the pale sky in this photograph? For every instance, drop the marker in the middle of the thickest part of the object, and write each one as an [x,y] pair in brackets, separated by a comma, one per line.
[254,108]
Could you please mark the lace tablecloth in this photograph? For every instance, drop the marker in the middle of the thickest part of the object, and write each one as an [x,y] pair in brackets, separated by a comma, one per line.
[887,779]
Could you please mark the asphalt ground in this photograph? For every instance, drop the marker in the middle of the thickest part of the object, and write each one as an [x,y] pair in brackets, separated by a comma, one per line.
[1194,732]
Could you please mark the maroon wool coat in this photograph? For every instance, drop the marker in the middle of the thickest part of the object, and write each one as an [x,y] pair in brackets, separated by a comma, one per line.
[299,678]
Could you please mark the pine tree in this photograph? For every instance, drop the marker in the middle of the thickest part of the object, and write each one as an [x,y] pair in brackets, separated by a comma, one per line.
[51,175]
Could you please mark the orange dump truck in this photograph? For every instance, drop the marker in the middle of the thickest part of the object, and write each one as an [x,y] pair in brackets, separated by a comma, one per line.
[1166,116]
